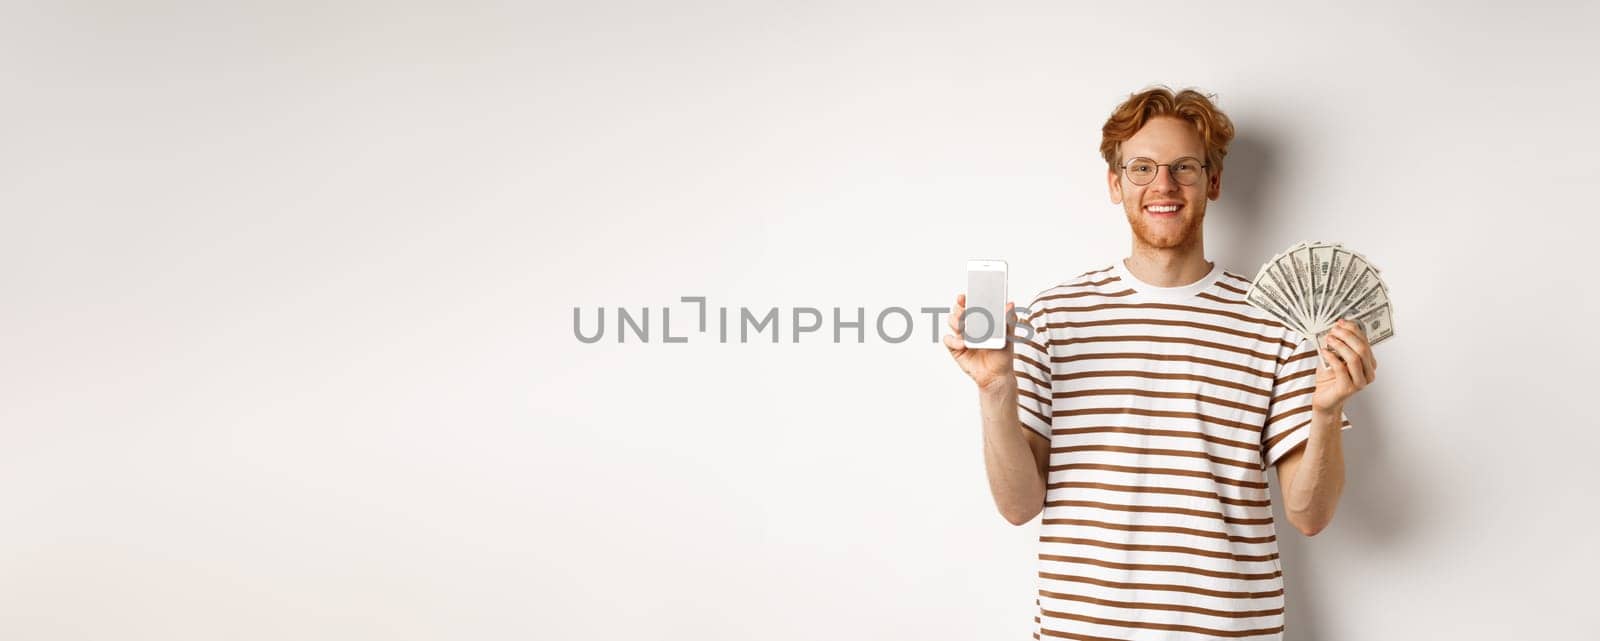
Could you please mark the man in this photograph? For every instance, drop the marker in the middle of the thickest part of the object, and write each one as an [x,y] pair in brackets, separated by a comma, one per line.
[1143,411]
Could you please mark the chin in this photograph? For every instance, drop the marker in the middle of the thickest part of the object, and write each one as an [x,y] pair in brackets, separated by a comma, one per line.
[1171,237]
[1166,242]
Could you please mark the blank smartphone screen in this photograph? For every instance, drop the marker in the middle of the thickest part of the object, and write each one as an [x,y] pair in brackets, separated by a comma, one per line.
[986,290]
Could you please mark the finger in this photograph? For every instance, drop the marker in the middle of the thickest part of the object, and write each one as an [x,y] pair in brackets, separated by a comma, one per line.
[1369,363]
[1366,347]
[1346,353]
[955,313]
[959,352]
[954,344]
[1358,342]
[1340,372]
[1351,336]
[1354,327]
[1352,360]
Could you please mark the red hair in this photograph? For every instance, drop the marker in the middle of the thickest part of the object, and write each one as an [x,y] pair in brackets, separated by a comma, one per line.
[1215,130]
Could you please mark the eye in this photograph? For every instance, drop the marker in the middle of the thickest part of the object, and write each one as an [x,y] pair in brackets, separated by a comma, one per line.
[1141,167]
[1188,165]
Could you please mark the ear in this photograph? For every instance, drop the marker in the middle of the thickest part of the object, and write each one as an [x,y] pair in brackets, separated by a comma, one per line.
[1214,184]
[1114,186]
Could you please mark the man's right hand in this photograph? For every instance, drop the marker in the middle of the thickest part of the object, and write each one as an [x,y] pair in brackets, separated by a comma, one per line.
[989,368]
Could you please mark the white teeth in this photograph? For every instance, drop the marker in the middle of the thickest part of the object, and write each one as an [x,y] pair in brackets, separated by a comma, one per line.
[1162,209]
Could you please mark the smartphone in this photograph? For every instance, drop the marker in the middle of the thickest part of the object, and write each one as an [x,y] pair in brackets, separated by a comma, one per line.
[983,325]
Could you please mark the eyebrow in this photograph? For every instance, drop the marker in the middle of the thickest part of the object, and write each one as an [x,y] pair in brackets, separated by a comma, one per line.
[1195,156]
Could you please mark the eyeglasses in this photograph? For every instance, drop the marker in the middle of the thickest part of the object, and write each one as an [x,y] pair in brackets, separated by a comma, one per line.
[1142,171]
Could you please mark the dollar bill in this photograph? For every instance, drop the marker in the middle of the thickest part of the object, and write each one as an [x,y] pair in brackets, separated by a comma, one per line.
[1300,258]
[1282,273]
[1321,268]
[1312,285]
[1267,295]
[1378,323]
[1340,268]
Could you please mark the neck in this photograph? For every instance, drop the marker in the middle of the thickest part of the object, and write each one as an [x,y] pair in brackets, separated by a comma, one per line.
[1171,267]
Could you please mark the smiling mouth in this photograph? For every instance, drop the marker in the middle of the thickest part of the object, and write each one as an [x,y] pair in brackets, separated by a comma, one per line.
[1163,210]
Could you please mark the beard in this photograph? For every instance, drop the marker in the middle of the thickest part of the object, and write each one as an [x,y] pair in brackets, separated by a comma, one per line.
[1180,234]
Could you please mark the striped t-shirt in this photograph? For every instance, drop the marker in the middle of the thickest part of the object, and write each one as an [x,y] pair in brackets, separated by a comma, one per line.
[1164,406]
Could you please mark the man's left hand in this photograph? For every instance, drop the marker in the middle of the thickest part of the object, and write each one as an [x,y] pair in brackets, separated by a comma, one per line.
[1350,367]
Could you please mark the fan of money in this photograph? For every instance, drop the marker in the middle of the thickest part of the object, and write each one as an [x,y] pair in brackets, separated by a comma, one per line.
[1312,285]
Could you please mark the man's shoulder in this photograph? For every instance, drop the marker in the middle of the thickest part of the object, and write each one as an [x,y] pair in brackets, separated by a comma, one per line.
[1094,282]
[1230,291]
[1099,275]
[1235,282]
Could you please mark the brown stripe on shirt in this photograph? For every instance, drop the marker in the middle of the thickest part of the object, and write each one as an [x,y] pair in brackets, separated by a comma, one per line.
[1231,288]
[1286,414]
[1159,509]
[1162,357]
[1036,364]
[1152,489]
[1168,529]
[1274,440]
[1087,292]
[1169,471]
[1289,377]
[1167,322]
[1242,280]
[1171,376]
[1288,395]
[1113,391]
[1136,605]
[1024,341]
[1184,569]
[1122,585]
[1090,411]
[1120,429]
[1175,549]
[1145,338]
[1042,418]
[1031,378]
[1156,452]
[1221,299]
[1030,394]
[1162,626]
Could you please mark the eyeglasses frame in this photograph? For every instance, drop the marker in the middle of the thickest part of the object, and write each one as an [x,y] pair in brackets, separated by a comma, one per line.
[1124,167]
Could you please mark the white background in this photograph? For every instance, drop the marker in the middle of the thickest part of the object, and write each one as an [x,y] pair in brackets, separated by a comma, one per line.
[289,288]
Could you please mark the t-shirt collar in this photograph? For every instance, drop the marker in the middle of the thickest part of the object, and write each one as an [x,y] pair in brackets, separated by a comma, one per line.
[1180,292]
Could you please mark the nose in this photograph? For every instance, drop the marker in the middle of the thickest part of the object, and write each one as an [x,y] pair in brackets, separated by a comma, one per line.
[1164,180]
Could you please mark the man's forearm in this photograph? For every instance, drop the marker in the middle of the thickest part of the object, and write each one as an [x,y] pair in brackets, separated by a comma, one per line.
[1013,473]
[1319,480]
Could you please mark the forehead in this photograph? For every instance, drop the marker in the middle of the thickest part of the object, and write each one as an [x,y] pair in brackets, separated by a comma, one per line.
[1164,138]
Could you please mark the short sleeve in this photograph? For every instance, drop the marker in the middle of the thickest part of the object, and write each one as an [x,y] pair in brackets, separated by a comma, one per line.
[1031,363]
[1289,413]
